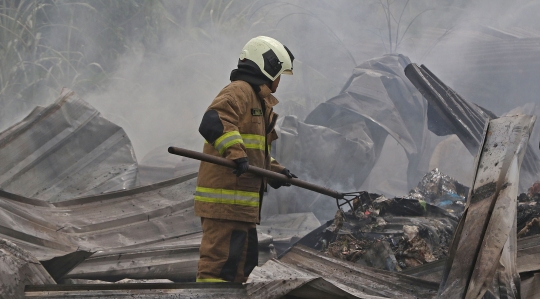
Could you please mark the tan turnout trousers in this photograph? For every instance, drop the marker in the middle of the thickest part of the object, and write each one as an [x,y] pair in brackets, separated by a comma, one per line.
[229,250]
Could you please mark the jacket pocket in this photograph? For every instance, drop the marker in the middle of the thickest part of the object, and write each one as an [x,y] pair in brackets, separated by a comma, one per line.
[249,182]
[256,119]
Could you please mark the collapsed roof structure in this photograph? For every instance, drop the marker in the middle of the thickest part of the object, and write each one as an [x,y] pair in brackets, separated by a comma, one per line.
[69,187]
[89,220]
[66,150]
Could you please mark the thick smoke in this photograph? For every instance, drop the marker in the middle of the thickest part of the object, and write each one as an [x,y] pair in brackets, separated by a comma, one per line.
[159,96]
[159,88]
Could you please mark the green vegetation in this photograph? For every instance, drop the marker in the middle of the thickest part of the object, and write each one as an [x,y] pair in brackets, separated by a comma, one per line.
[48,44]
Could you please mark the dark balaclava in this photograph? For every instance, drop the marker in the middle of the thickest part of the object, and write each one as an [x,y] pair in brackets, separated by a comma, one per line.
[249,71]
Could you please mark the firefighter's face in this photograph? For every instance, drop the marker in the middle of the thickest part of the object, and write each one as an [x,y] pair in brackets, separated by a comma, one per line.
[274,84]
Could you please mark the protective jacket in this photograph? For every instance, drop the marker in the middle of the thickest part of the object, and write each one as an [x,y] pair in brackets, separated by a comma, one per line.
[238,124]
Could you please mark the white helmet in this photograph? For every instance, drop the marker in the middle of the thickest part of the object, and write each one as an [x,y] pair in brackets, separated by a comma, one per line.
[272,58]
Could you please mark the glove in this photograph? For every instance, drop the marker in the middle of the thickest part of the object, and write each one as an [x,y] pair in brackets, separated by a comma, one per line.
[288,173]
[277,184]
[241,166]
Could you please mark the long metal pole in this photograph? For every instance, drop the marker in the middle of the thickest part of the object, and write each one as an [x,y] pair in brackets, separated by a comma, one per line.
[255,170]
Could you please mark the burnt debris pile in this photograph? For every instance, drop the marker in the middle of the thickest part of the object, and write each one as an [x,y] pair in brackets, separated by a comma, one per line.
[528,212]
[398,233]
[442,191]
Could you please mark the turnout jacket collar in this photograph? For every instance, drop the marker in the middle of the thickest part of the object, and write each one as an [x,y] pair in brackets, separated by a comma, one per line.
[251,74]
[266,94]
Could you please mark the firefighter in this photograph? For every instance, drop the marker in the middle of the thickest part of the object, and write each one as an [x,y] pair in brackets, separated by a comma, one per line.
[239,125]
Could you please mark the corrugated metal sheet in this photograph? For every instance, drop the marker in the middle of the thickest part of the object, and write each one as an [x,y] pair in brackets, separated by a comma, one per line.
[58,267]
[430,271]
[528,255]
[528,261]
[482,257]
[530,288]
[378,98]
[449,113]
[377,101]
[150,174]
[158,165]
[304,274]
[276,279]
[17,268]
[147,232]
[64,151]
[141,291]
[342,278]
[286,229]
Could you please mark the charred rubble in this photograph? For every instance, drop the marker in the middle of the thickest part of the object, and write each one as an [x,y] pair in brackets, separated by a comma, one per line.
[528,212]
[405,232]
[398,233]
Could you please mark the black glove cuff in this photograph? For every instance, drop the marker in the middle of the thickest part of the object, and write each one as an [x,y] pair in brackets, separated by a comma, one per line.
[275,184]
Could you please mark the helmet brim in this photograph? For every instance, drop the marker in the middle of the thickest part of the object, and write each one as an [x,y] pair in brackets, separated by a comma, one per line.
[287,72]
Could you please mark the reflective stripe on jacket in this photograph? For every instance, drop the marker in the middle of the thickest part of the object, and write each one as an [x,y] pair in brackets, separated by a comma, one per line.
[236,125]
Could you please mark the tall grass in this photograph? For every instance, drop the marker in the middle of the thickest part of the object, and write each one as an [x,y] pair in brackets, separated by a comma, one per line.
[22,65]
[47,44]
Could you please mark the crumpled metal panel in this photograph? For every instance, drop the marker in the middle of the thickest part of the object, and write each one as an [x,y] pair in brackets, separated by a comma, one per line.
[530,288]
[379,92]
[149,174]
[528,255]
[158,165]
[377,101]
[449,113]
[66,150]
[351,162]
[286,229]
[17,268]
[58,267]
[276,279]
[147,232]
[430,271]
[483,253]
[139,291]
[528,260]
[303,266]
